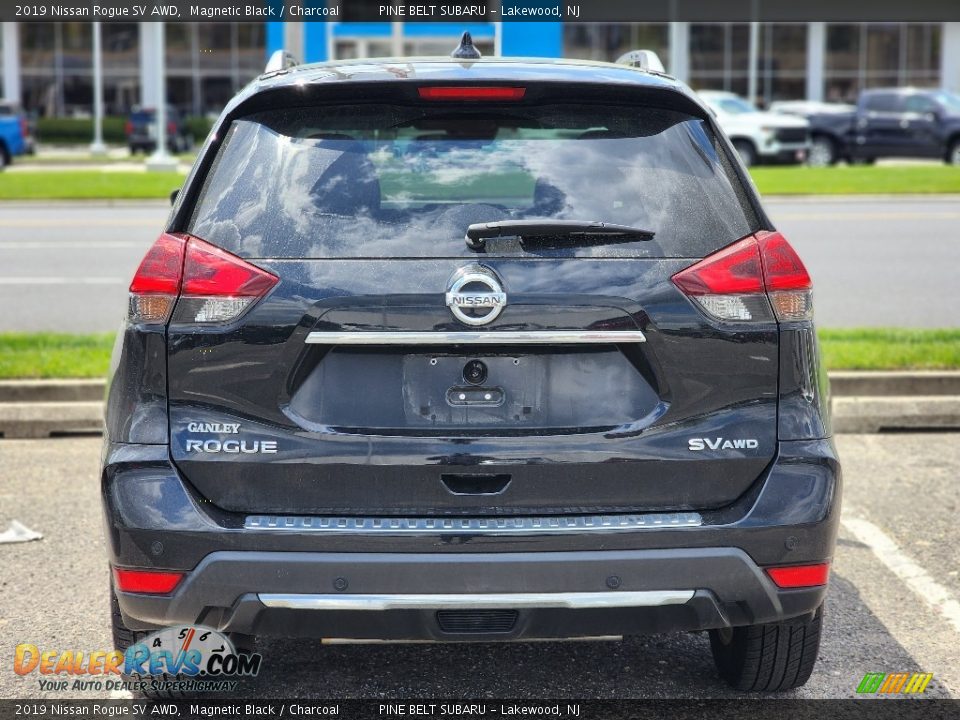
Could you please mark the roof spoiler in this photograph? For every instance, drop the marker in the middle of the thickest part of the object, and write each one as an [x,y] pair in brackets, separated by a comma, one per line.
[280,60]
[643,59]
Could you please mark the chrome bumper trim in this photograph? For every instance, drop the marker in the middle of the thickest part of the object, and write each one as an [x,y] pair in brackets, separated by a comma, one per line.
[488,526]
[487,601]
[507,337]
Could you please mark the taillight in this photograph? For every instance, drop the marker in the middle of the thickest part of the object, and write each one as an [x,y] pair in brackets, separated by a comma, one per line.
[471,92]
[207,284]
[753,280]
[171,128]
[798,576]
[155,287]
[786,279]
[218,286]
[148,582]
[128,128]
[24,127]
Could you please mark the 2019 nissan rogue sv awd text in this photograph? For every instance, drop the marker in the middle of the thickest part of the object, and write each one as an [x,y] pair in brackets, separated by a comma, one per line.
[473,350]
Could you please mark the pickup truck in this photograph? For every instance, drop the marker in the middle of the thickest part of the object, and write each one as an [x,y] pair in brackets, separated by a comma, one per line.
[15,136]
[758,137]
[141,131]
[897,122]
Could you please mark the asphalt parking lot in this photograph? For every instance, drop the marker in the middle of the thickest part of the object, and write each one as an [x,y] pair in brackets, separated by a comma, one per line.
[892,604]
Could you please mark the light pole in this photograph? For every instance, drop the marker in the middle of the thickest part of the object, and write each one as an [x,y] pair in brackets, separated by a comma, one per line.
[97,147]
[160,159]
[752,54]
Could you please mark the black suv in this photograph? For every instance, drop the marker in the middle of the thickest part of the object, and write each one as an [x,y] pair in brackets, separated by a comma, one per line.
[473,350]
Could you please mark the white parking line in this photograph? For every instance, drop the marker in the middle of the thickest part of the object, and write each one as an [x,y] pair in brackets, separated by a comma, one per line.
[68,245]
[900,564]
[61,281]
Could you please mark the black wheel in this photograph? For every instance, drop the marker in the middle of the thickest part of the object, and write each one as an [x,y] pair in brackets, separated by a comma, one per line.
[4,158]
[953,155]
[124,637]
[768,658]
[746,151]
[823,153]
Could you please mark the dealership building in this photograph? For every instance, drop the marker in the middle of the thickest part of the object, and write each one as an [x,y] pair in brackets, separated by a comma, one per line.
[48,67]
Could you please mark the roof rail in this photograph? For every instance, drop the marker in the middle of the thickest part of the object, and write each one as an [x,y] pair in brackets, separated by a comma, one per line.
[644,59]
[280,60]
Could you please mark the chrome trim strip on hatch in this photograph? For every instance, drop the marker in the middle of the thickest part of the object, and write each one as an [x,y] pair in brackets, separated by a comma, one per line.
[487,601]
[466,337]
[482,526]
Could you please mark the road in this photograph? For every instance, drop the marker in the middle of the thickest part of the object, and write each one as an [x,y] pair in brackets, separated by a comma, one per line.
[874,262]
[892,604]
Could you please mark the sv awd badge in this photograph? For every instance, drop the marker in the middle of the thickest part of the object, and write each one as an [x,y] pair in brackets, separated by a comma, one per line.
[722,444]
[247,447]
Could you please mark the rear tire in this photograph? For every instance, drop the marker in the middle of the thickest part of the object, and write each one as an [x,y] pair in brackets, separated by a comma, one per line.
[746,151]
[768,658]
[823,152]
[124,637]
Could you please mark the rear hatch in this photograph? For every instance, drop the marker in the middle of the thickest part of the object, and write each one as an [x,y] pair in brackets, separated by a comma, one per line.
[387,368]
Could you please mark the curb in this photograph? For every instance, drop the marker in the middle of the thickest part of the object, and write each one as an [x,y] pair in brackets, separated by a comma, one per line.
[25,420]
[42,391]
[876,414]
[869,383]
[863,402]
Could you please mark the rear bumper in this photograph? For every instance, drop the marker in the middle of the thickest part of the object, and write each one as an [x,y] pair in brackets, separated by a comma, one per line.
[370,585]
[785,153]
[402,596]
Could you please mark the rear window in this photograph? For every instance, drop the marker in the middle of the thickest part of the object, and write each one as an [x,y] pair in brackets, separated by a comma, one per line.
[375,181]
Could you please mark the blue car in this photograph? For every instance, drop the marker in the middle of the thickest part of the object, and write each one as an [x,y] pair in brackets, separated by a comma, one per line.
[15,136]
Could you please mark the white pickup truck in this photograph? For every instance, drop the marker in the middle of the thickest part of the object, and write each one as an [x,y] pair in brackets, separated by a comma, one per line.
[759,136]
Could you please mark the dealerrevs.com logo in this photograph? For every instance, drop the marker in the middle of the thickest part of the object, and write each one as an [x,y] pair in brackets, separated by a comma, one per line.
[186,658]
[894,683]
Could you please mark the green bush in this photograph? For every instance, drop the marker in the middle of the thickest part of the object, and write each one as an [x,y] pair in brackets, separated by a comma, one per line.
[199,127]
[68,131]
[79,131]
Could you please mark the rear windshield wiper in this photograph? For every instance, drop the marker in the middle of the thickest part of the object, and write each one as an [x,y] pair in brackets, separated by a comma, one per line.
[550,232]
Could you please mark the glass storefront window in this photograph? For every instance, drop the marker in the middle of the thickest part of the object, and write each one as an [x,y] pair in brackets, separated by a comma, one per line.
[206,64]
[37,46]
[843,48]
[608,41]
[883,48]
[874,55]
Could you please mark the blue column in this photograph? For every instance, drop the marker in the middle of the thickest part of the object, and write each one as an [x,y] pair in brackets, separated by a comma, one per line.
[274,37]
[532,39]
[315,42]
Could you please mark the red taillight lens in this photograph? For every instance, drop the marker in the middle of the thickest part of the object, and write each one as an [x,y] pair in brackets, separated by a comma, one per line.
[128,128]
[735,269]
[744,281]
[147,582]
[171,128]
[208,285]
[208,270]
[156,284]
[24,127]
[798,576]
[471,92]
